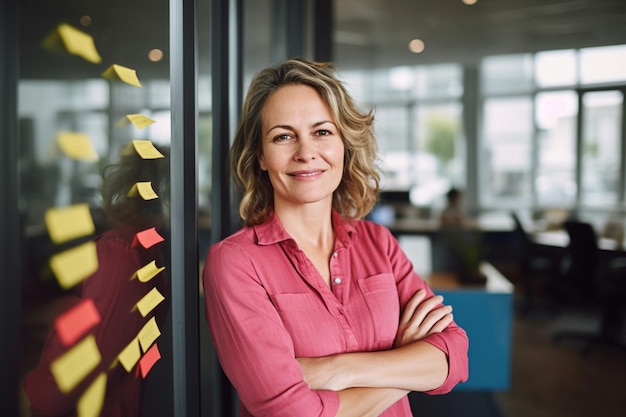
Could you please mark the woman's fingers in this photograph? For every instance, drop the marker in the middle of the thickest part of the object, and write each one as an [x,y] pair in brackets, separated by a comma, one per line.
[423,316]
[436,320]
[411,306]
[441,324]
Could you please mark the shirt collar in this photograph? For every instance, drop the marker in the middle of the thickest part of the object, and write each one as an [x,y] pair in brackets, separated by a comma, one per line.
[272,231]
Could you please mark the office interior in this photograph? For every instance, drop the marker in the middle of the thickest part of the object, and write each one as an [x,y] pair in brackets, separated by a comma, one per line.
[517,103]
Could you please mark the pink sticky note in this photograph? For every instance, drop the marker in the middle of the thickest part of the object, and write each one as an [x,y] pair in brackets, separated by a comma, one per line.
[77,321]
[148,237]
[148,360]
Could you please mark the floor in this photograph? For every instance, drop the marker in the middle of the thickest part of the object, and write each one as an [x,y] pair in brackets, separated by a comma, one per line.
[551,379]
[548,379]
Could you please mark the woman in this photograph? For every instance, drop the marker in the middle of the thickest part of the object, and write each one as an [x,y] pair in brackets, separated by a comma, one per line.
[314,312]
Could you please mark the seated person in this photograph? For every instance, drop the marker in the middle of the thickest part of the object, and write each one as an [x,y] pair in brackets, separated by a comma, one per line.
[453,215]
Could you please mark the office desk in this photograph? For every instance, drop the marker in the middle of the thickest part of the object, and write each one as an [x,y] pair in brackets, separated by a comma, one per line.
[560,239]
[486,314]
[486,222]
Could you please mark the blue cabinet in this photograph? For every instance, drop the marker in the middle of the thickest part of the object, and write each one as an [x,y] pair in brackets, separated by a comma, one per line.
[486,314]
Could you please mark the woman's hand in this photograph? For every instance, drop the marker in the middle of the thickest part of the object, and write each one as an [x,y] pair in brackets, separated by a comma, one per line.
[422,317]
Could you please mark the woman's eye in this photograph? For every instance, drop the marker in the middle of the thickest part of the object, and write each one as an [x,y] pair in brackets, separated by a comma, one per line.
[324,132]
[282,137]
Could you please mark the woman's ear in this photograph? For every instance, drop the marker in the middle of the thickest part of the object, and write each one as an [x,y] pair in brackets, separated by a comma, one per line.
[261,162]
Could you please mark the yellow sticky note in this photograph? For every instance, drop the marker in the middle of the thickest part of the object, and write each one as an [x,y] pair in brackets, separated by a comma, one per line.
[144,148]
[138,120]
[148,334]
[124,74]
[71,368]
[147,272]
[90,403]
[77,146]
[69,222]
[149,301]
[75,264]
[74,41]
[144,189]
[130,355]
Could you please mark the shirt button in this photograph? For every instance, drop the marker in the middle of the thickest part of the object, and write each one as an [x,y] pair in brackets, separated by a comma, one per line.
[337,280]
[334,254]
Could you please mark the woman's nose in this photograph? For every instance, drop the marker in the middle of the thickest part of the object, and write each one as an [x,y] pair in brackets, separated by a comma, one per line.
[305,149]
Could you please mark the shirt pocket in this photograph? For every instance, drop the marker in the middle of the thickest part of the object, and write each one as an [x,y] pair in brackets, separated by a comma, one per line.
[381,297]
[312,329]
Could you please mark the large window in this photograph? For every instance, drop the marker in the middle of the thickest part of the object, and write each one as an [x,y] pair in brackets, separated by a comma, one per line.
[418,126]
[506,151]
[552,129]
[549,132]
[555,177]
[601,148]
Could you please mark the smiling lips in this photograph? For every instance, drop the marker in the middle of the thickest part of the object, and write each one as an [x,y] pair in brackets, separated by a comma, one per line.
[304,174]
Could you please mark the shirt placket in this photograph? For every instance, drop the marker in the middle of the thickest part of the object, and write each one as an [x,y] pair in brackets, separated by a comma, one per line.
[339,287]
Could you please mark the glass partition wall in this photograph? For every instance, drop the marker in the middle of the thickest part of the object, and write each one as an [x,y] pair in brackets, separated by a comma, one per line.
[117,128]
[93,105]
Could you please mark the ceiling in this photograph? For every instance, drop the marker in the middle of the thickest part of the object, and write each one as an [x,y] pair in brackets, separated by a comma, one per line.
[377,32]
[368,33]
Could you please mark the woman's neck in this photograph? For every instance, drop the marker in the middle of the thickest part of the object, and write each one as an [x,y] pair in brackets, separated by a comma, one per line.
[312,229]
[310,225]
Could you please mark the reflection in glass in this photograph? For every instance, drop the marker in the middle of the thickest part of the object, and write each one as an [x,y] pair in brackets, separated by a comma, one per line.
[117,291]
[60,92]
[555,116]
[601,150]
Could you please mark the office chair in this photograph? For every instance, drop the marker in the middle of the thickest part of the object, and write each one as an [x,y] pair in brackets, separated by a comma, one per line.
[609,290]
[538,264]
[579,263]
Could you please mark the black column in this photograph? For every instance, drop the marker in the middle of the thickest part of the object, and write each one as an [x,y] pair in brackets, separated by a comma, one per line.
[470,124]
[288,30]
[226,83]
[10,246]
[184,208]
[323,27]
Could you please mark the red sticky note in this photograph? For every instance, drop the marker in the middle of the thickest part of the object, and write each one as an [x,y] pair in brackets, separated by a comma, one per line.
[148,237]
[77,321]
[149,359]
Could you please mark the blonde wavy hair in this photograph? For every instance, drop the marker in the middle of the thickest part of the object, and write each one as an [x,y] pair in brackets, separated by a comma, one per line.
[358,191]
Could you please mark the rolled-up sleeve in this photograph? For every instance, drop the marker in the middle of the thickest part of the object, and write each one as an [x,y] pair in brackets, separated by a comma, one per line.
[453,340]
[254,348]
[454,343]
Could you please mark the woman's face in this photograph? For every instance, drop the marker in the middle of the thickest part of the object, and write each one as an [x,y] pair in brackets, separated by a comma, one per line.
[302,149]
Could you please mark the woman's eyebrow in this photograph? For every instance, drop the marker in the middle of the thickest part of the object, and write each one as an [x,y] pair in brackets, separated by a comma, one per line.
[289,127]
[286,127]
[321,123]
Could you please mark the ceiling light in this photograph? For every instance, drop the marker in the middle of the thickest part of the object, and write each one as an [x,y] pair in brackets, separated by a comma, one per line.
[416,46]
[85,20]
[469,2]
[155,55]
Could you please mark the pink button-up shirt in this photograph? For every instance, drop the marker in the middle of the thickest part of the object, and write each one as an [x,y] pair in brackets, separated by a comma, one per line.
[266,305]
